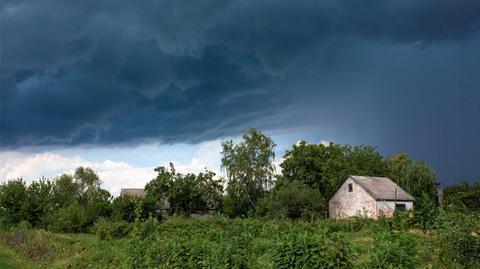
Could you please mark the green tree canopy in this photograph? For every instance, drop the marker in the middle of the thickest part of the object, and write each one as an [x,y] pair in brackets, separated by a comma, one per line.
[65,190]
[250,170]
[13,196]
[462,196]
[39,201]
[325,167]
[185,193]
[415,177]
[292,200]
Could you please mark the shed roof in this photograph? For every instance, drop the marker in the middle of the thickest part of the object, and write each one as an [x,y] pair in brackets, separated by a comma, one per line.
[132,192]
[382,188]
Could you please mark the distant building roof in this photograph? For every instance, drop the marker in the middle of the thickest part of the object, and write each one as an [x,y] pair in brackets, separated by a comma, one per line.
[132,192]
[382,188]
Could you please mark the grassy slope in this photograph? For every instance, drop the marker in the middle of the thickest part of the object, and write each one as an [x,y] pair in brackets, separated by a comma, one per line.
[11,260]
[86,251]
[65,251]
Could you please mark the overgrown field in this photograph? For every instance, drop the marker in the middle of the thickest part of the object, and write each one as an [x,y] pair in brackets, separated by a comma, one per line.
[255,243]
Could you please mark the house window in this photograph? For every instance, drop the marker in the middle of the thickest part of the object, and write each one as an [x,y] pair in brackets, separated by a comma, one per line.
[400,207]
[350,187]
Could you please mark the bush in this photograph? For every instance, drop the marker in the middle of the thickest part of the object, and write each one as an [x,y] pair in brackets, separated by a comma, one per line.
[105,229]
[425,212]
[393,250]
[401,221]
[312,251]
[72,218]
[460,239]
[294,201]
[13,196]
[37,245]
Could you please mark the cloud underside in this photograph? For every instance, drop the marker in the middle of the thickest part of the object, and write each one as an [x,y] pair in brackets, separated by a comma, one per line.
[121,72]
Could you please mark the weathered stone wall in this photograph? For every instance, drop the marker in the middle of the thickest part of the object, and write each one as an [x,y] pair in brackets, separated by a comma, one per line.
[347,204]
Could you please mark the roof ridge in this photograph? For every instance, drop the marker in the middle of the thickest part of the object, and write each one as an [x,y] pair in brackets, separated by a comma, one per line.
[366,182]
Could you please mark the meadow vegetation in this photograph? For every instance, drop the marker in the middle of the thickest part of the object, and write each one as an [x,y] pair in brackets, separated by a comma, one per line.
[261,219]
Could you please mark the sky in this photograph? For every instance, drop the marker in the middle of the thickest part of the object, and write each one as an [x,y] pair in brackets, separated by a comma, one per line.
[125,86]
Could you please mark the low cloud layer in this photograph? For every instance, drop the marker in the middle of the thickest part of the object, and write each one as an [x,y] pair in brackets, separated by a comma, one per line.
[402,75]
[114,174]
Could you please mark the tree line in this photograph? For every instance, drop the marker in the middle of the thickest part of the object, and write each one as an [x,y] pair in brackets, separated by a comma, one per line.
[252,187]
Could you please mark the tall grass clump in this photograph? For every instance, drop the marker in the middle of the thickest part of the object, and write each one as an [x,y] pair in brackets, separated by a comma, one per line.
[393,250]
[459,238]
[312,251]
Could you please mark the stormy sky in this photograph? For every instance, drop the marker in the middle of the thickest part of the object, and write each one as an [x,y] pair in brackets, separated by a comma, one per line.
[121,75]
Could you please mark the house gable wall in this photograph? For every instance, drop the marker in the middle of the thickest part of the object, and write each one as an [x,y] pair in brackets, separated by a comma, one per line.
[346,204]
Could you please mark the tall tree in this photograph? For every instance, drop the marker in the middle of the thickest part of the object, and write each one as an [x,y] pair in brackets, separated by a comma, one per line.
[39,201]
[250,170]
[13,195]
[317,166]
[365,160]
[325,167]
[65,191]
[415,177]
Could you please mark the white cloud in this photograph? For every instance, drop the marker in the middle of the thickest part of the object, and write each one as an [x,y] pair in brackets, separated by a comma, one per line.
[114,174]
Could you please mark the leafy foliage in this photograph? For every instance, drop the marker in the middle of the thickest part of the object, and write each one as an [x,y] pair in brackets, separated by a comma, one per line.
[106,229]
[13,196]
[426,212]
[460,238]
[254,243]
[72,218]
[68,203]
[415,177]
[185,193]
[393,250]
[294,201]
[325,167]
[462,196]
[250,170]
[312,251]
[124,207]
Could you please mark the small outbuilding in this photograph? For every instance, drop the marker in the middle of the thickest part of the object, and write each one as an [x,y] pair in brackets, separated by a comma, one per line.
[132,192]
[368,197]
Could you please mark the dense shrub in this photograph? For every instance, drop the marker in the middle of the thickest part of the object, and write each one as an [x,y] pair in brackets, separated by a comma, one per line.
[72,218]
[238,243]
[294,201]
[37,245]
[255,243]
[393,250]
[459,237]
[462,197]
[312,251]
[106,229]
[426,212]
[13,195]
[401,221]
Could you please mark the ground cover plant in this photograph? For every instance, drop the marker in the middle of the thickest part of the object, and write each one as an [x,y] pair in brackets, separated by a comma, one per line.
[256,222]
[222,242]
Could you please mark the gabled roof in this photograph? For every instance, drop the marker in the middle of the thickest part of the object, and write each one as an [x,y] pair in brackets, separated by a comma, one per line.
[132,192]
[382,188]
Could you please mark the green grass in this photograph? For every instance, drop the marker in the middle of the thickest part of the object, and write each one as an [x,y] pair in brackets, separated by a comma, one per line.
[11,260]
[41,249]
[227,243]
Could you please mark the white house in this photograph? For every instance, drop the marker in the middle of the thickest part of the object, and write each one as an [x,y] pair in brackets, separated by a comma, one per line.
[369,197]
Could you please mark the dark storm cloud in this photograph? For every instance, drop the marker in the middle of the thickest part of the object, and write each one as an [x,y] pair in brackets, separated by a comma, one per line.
[113,72]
